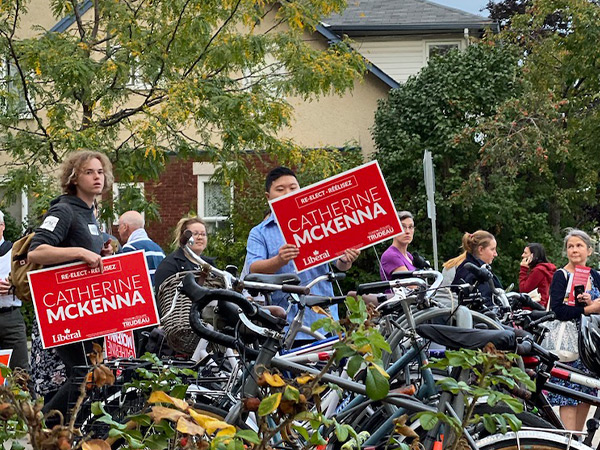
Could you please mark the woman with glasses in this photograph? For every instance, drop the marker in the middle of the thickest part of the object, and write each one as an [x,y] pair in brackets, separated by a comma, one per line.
[397,257]
[177,261]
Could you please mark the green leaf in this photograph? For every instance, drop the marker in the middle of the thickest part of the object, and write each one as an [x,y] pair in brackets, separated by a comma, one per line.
[98,409]
[269,404]
[248,435]
[489,423]
[514,404]
[302,430]
[428,420]
[341,431]
[513,421]
[16,445]
[291,393]
[179,391]
[377,385]
[354,365]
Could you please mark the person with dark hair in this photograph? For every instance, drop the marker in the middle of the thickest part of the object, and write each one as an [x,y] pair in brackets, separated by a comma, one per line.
[479,248]
[397,257]
[536,271]
[268,253]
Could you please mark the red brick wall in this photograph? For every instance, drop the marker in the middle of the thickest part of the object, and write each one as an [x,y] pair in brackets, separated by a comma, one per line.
[177,194]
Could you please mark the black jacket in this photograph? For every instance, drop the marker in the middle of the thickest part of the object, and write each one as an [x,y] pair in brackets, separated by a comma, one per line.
[463,275]
[558,289]
[174,263]
[69,222]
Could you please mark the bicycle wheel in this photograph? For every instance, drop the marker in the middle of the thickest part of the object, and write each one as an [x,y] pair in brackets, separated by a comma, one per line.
[531,440]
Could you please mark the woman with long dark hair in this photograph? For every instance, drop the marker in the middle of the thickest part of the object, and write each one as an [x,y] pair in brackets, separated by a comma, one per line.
[536,271]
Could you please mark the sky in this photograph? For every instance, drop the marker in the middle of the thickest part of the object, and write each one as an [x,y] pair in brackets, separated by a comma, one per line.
[472,6]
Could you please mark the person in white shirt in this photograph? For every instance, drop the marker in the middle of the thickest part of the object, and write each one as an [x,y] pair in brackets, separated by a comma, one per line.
[13,333]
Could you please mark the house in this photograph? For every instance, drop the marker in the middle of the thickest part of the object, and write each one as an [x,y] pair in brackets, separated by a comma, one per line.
[395,36]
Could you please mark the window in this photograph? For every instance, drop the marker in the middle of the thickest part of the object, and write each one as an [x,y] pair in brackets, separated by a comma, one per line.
[126,197]
[214,199]
[12,97]
[441,48]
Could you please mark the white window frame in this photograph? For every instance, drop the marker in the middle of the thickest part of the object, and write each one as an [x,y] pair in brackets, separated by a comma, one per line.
[204,172]
[459,43]
[5,66]
[115,192]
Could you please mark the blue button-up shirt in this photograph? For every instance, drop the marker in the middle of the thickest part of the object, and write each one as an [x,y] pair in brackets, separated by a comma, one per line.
[264,242]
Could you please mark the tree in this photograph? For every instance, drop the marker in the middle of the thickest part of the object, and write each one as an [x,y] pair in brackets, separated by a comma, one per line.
[448,97]
[545,141]
[139,80]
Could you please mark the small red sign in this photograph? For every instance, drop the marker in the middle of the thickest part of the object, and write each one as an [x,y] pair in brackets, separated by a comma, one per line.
[580,277]
[351,210]
[75,303]
[119,345]
[4,359]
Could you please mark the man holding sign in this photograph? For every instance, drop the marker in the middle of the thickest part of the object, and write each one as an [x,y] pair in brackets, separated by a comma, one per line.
[268,253]
[71,233]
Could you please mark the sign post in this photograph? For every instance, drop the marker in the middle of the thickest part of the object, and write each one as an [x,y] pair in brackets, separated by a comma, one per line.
[430,190]
[74,303]
[351,210]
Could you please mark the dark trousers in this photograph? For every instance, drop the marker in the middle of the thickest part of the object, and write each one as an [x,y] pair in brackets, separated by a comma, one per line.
[71,355]
[13,336]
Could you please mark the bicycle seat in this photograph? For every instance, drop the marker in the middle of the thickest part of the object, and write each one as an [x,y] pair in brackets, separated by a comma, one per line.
[278,278]
[455,338]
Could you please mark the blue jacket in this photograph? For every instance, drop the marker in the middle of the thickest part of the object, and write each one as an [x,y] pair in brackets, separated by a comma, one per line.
[139,240]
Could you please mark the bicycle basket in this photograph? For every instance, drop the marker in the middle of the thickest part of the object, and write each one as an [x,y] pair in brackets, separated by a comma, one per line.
[176,325]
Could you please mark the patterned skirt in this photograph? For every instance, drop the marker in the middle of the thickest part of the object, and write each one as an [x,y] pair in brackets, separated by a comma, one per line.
[559,400]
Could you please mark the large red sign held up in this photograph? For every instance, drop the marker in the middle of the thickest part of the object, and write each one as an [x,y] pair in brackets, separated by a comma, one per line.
[74,303]
[350,210]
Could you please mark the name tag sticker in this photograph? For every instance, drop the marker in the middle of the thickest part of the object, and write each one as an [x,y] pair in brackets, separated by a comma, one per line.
[93,229]
[50,223]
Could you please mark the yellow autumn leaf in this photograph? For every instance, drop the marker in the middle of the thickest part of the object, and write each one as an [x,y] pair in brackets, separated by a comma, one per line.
[210,424]
[304,379]
[321,311]
[95,444]
[163,397]
[187,426]
[273,380]
[162,412]
[380,370]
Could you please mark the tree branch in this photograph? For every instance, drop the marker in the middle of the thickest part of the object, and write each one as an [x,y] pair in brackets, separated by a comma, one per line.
[214,36]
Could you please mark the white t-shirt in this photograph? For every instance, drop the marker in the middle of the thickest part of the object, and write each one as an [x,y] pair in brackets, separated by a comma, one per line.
[7,300]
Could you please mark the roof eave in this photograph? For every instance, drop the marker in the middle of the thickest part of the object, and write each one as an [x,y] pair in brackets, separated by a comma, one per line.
[395,30]
[333,38]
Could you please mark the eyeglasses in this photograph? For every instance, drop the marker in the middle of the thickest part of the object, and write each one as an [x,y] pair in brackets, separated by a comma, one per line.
[409,227]
[198,234]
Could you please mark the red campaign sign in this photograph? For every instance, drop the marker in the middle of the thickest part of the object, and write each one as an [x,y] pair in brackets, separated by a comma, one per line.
[580,277]
[4,359]
[75,303]
[119,345]
[351,210]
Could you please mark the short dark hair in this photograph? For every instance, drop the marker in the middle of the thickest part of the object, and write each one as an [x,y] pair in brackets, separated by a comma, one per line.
[277,173]
[538,254]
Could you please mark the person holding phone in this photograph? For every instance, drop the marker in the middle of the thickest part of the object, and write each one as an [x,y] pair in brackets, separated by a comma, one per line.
[536,271]
[578,248]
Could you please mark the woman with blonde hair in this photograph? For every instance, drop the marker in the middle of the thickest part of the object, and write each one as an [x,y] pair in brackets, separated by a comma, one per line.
[479,248]
[177,261]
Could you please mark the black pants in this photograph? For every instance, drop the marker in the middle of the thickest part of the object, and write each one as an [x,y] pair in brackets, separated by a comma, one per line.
[72,355]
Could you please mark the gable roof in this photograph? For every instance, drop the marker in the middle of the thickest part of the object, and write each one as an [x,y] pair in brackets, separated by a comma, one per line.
[389,17]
